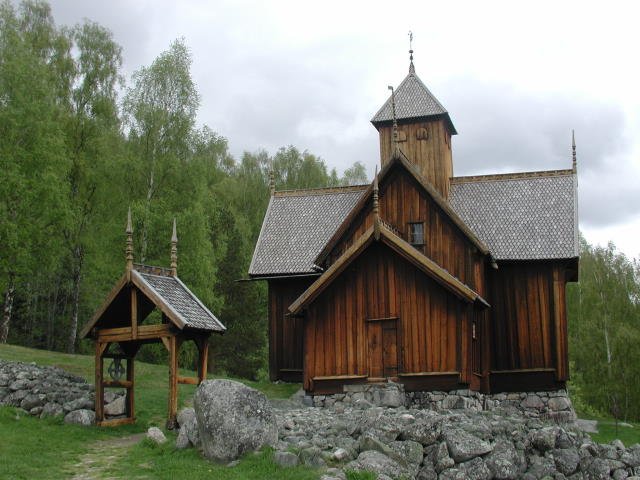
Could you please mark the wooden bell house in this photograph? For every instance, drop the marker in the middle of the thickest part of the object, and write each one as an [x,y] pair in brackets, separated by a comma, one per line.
[119,330]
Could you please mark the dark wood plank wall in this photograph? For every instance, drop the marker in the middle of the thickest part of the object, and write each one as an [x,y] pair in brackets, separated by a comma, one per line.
[403,200]
[528,317]
[433,325]
[285,332]
[432,154]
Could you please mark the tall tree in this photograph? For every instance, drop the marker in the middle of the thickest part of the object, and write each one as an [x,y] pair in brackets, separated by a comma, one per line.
[92,129]
[32,155]
[356,174]
[160,111]
[604,312]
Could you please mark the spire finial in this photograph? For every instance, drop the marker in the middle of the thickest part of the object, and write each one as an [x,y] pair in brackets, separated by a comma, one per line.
[129,247]
[376,207]
[411,67]
[174,250]
[272,179]
[395,120]
[573,149]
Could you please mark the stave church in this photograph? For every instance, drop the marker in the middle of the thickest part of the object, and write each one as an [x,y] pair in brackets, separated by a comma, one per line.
[434,281]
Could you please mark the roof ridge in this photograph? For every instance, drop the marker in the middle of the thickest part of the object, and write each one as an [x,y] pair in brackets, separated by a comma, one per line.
[511,176]
[320,190]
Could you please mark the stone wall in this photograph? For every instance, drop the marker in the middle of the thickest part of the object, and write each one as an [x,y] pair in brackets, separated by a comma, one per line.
[554,405]
[51,391]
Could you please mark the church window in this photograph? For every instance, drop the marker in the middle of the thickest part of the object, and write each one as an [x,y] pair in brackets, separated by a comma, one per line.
[416,234]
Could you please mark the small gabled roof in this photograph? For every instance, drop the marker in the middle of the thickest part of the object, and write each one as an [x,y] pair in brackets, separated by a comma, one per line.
[167,293]
[399,159]
[297,225]
[522,216]
[400,246]
[413,100]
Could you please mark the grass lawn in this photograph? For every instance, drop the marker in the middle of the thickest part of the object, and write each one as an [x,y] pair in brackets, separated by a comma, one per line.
[34,448]
[607,432]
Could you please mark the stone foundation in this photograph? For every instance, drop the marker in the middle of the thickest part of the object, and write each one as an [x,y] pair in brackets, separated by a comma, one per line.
[553,405]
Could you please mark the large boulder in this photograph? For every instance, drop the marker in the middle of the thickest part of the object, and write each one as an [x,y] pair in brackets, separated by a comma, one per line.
[83,417]
[232,419]
[464,446]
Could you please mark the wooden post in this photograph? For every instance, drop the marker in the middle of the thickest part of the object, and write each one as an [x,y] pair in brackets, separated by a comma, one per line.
[203,353]
[130,391]
[173,383]
[99,391]
[134,313]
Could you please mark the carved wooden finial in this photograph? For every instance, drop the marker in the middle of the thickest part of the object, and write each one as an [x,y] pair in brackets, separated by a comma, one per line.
[573,148]
[396,148]
[412,70]
[129,247]
[174,250]
[376,207]
[272,180]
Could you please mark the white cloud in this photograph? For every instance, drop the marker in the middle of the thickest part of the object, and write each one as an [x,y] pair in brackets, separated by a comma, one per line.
[515,77]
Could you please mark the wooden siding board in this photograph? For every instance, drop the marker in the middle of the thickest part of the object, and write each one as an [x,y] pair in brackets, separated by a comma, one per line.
[407,336]
[528,307]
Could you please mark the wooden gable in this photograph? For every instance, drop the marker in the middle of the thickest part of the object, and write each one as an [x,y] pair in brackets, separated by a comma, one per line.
[405,198]
[383,315]
[135,297]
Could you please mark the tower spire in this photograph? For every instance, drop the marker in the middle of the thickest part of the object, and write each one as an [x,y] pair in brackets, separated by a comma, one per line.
[174,250]
[129,247]
[376,207]
[573,150]
[411,67]
[395,120]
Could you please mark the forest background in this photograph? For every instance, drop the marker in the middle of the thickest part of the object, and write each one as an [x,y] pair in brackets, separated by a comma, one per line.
[79,145]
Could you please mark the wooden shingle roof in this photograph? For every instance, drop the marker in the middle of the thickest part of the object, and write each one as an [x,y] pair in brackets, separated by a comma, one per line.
[162,290]
[413,100]
[296,227]
[524,216]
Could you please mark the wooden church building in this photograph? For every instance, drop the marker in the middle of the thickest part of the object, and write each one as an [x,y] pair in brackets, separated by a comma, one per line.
[423,278]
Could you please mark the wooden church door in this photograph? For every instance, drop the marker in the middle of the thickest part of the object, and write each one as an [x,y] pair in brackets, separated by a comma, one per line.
[382,343]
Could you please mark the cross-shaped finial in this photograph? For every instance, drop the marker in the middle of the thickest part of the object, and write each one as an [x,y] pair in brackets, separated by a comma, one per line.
[411,68]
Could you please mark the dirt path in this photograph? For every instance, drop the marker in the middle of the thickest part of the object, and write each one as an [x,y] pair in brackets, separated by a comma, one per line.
[101,454]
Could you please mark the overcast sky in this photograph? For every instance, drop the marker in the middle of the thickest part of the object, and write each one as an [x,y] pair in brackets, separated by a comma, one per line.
[514,79]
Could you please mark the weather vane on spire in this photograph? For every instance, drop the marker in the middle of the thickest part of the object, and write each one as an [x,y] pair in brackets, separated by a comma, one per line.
[411,68]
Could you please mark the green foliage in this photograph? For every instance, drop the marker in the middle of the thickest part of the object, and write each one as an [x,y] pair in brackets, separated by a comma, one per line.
[355,175]
[604,330]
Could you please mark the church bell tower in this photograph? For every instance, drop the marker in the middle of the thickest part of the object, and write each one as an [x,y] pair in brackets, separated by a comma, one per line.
[424,130]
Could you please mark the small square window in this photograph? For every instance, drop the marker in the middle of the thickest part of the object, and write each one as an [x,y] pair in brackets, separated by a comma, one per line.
[416,234]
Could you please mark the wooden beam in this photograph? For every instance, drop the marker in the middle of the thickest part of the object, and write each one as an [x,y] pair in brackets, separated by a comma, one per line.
[144,332]
[117,383]
[110,298]
[166,342]
[188,380]
[115,422]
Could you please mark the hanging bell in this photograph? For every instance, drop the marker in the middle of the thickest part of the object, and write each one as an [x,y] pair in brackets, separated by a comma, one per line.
[116,369]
